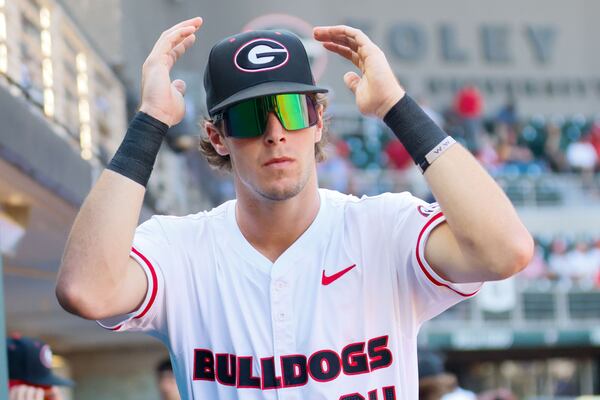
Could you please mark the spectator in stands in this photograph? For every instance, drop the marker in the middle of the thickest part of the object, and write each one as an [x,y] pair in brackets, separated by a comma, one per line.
[453,124]
[336,171]
[596,254]
[497,394]
[434,381]
[167,386]
[509,151]
[594,137]
[558,262]
[554,153]
[30,370]
[398,157]
[565,378]
[537,270]
[468,104]
[582,265]
[488,155]
[459,394]
[508,114]
[582,158]
[505,131]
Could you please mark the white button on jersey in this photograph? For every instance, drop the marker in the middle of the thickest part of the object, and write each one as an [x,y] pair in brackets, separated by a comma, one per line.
[280,285]
[335,317]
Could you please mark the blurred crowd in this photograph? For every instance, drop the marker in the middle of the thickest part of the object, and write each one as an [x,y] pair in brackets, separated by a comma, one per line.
[437,383]
[566,262]
[503,141]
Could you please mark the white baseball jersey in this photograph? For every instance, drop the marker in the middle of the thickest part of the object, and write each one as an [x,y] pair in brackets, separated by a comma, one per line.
[336,316]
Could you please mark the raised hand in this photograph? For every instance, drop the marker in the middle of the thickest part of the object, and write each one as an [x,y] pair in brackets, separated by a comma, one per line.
[376,90]
[161,98]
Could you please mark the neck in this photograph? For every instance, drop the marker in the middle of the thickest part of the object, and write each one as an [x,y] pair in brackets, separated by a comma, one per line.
[272,226]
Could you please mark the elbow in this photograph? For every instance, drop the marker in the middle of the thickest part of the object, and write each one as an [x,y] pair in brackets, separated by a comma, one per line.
[514,255]
[72,299]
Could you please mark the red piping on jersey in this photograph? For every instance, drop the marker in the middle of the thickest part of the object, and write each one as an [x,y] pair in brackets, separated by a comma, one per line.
[154,281]
[425,271]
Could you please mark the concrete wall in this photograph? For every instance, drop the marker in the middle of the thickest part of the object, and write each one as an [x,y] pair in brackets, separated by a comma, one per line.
[105,32]
[484,40]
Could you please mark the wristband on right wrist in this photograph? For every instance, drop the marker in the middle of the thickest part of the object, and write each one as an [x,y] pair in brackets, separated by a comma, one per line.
[136,156]
[422,138]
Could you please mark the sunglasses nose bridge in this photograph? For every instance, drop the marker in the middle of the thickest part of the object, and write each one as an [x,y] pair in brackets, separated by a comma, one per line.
[274,131]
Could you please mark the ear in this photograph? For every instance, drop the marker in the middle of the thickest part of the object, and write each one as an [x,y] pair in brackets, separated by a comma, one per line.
[319,125]
[216,139]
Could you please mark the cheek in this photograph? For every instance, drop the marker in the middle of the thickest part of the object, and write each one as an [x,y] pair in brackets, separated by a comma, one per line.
[243,157]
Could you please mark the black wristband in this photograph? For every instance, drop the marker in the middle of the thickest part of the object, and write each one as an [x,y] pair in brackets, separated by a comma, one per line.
[417,132]
[136,156]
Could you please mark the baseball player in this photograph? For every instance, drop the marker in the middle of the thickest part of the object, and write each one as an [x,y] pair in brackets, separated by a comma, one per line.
[289,291]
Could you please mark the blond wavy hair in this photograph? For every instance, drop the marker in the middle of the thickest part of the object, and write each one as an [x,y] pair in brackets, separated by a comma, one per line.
[223,163]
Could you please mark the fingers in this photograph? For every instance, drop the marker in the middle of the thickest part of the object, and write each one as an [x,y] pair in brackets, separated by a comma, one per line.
[166,44]
[344,52]
[180,86]
[181,48]
[345,36]
[56,394]
[176,40]
[195,22]
[351,79]
[23,392]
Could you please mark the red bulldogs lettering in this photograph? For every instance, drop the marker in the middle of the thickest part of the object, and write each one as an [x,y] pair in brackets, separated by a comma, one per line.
[321,366]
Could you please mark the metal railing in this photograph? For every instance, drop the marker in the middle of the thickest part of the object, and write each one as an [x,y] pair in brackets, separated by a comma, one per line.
[537,305]
[545,189]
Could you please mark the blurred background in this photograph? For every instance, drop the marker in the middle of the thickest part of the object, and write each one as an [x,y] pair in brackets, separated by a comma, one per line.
[518,83]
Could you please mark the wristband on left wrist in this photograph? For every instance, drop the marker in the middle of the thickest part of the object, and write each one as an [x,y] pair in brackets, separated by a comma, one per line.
[422,138]
[136,156]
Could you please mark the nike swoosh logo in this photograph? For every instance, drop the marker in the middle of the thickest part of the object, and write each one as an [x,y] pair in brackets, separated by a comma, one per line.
[327,280]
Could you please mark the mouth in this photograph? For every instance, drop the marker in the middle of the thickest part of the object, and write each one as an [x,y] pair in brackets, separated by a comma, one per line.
[278,161]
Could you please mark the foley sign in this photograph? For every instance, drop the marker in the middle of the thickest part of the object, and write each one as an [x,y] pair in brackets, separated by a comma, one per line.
[411,42]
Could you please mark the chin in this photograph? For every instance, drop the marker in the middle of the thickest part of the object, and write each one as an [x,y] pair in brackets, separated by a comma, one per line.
[283,188]
[280,193]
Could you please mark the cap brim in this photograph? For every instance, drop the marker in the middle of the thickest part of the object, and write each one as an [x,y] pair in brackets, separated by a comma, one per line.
[53,380]
[264,89]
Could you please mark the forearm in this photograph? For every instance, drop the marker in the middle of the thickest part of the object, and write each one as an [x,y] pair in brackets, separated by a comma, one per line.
[482,219]
[94,268]
[97,279]
[486,238]
[98,247]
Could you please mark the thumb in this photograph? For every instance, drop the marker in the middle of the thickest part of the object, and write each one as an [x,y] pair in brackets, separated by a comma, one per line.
[180,86]
[351,79]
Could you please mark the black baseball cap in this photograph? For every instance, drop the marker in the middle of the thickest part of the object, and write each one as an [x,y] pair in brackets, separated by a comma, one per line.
[430,364]
[256,63]
[30,361]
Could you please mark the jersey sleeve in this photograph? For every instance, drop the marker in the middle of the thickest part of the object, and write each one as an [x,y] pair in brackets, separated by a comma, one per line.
[150,250]
[414,220]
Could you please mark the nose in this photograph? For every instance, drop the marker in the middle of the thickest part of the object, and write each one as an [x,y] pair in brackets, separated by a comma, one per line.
[274,131]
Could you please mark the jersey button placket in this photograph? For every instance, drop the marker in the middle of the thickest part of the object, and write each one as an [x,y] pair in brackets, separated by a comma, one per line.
[281,319]
[279,307]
